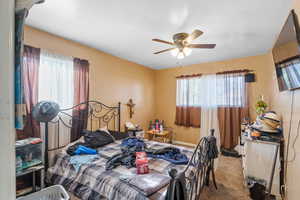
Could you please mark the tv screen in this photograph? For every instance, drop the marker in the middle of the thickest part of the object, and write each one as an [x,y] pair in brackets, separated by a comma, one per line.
[286,55]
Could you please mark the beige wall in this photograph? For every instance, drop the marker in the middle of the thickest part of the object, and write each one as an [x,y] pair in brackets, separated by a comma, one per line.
[111,79]
[285,51]
[281,103]
[166,88]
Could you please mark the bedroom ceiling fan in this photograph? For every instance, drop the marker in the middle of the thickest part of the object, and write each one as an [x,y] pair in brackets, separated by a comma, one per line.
[182,44]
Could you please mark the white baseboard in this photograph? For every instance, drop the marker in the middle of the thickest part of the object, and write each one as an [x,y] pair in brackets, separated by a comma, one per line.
[184,143]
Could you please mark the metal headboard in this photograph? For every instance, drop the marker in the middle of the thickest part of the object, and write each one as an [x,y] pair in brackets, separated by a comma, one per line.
[96,111]
[96,115]
[197,173]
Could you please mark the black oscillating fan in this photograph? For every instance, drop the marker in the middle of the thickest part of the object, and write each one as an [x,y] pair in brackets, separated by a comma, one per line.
[45,111]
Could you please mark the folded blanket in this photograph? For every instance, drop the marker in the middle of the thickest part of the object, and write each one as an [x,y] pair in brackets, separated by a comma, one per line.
[79,160]
[147,184]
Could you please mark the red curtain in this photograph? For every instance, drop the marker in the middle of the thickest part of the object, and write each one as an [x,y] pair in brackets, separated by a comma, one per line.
[233,106]
[188,110]
[30,74]
[230,119]
[188,116]
[81,94]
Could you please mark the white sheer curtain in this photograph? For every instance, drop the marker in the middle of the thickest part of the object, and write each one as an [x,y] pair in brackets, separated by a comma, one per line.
[56,83]
[231,90]
[187,92]
[56,79]
[209,109]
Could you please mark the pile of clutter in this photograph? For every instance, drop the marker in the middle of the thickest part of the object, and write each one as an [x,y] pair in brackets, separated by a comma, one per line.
[268,122]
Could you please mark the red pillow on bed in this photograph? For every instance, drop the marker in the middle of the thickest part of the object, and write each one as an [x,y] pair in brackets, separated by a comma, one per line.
[141,163]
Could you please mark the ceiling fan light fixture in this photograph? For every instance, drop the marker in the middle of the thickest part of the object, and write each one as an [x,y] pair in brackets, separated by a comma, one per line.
[180,55]
[187,51]
[175,52]
[181,45]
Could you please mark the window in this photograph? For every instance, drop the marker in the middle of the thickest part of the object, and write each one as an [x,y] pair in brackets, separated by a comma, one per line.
[56,83]
[188,102]
[51,77]
[229,90]
[187,92]
[56,79]
[208,92]
[291,73]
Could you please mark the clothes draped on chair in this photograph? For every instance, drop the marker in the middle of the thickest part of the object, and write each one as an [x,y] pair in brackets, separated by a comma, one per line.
[81,94]
[233,106]
[187,106]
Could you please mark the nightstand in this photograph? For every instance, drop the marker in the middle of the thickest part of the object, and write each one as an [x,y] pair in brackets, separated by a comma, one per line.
[136,132]
[161,136]
[39,169]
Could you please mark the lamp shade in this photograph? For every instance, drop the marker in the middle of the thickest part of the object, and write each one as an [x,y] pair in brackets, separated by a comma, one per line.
[45,111]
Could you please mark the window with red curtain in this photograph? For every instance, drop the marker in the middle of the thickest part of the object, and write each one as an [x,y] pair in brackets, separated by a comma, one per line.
[232,102]
[49,76]
[30,78]
[188,101]
[81,94]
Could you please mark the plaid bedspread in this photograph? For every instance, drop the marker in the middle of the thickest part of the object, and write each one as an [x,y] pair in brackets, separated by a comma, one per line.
[93,182]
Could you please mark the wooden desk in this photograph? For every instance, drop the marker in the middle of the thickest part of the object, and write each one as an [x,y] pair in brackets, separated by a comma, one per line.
[165,135]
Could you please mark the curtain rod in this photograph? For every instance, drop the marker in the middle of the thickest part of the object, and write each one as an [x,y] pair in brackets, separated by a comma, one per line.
[223,72]
[288,60]
[189,76]
[236,71]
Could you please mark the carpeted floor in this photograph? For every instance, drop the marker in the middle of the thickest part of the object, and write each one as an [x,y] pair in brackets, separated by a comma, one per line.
[230,182]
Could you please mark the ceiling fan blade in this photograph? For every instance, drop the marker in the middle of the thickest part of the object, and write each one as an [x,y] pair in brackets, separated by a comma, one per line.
[202,46]
[195,34]
[162,41]
[170,49]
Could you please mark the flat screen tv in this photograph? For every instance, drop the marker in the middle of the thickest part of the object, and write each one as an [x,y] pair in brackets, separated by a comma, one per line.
[286,54]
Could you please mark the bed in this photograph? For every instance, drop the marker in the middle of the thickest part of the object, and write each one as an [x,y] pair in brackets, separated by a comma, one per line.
[91,181]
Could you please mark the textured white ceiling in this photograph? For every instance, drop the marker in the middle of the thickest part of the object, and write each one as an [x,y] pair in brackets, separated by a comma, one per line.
[124,28]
